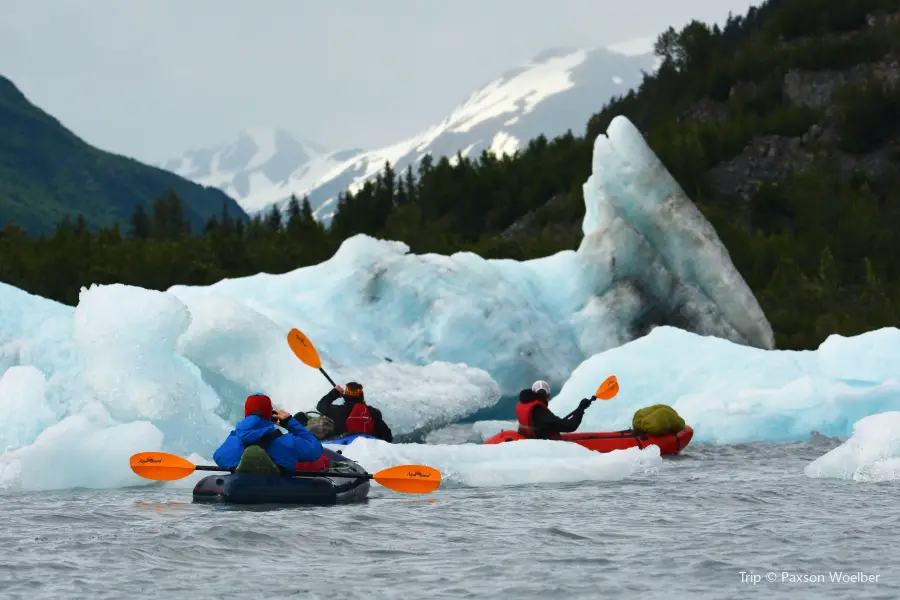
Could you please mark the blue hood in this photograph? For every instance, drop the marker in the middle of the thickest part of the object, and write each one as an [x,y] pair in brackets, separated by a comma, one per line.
[252,429]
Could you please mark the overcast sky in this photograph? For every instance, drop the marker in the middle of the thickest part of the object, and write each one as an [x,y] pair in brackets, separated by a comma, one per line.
[150,79]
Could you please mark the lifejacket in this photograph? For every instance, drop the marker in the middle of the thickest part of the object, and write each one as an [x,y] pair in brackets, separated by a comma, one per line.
[523,415]
[360,420]
[320,464]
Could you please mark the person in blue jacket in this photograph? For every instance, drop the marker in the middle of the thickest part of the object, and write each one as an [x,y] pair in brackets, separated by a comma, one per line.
[297,450]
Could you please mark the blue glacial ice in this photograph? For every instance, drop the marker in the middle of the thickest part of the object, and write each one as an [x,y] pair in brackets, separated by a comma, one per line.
[647,257]
[125,371]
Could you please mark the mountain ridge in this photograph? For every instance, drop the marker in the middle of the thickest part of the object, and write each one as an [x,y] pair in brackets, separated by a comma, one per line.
[49,174]
[555,91]
[258,158]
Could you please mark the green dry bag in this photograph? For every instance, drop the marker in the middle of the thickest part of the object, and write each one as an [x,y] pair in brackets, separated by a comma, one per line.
[658,419]
[256,461]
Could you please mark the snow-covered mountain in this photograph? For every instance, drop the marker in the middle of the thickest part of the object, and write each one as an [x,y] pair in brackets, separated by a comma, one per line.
[252,168]
[556,91]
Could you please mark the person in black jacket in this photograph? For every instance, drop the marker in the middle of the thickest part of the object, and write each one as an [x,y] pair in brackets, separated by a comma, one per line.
[536,420]
[354,415]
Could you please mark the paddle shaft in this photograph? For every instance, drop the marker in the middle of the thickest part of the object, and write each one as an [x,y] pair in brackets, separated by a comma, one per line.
[295,473]
[330,380]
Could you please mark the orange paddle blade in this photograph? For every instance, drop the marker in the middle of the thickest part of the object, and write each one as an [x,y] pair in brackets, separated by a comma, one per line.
[303,348]
[411,479]
[608,388]
[160,466]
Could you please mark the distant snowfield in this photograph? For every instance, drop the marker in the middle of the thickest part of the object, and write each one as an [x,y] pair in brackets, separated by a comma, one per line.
[556,91]
[635,47]
[251,168]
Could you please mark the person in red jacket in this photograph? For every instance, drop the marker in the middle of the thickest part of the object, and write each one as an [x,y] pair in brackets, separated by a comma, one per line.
[537,421]
[355,415]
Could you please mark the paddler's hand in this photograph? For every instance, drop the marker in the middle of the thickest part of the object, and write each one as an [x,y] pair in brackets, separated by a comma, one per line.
[339,389]
[282,416]
[585,402]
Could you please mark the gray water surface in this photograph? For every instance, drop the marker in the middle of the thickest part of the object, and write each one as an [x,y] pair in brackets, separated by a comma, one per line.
[687,531]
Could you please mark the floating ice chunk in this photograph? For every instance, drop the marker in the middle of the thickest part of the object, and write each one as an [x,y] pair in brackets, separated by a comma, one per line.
[732,393]
[515,463]
[23,407]
[34,331]
[174,376]
[240,352]
[417,399]
[484,430]
[872,454]
[127,338]
[861,359]
[80,451]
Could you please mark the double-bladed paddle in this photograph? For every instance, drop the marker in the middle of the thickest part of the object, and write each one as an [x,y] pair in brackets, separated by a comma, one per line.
[409,479]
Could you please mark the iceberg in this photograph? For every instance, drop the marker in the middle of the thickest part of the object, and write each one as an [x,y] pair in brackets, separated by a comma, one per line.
[648,257]
[25,413]
[131,370]
[432,338]
[82,450]
[731,393]
[872,454]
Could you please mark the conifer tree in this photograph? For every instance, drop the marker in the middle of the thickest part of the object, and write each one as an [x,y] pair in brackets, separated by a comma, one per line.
[140,223]
[307,212]
[293,209]
[274,222]
[411,191]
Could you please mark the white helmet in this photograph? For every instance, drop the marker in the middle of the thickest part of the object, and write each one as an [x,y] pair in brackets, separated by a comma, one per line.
[541,385]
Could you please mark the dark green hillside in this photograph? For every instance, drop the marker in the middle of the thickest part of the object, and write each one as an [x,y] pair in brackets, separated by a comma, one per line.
[47,174]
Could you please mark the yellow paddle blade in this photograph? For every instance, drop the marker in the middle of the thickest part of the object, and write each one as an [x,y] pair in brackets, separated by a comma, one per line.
[411,479]
[160,466]
[303,348]
[608,388]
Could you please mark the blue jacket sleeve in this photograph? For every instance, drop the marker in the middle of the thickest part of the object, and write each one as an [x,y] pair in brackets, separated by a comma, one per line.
[228,455]
[303,441]
[293,425]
